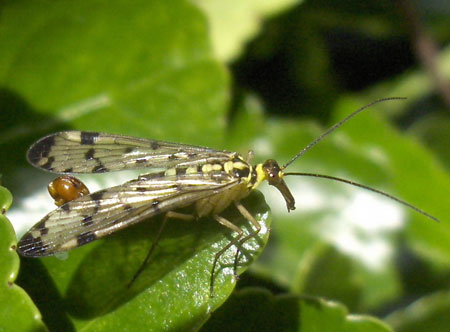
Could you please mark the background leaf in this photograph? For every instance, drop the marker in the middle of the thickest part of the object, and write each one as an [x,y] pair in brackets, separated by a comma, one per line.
[286,313]
[18,311]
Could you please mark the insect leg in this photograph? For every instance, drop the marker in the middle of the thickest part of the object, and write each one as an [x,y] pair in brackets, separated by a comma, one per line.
[233,227]
[247,215]
[170,214]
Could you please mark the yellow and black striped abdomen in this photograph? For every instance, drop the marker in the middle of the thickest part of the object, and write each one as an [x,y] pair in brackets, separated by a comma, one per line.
[236,173]
[240,172]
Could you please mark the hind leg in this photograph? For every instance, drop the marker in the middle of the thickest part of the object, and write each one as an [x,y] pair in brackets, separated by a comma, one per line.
[170,214]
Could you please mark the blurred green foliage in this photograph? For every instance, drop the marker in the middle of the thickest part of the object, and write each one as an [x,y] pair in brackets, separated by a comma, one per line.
[237,75]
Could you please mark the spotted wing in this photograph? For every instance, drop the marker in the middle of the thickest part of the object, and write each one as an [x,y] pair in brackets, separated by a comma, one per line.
[106,211]
[90,152]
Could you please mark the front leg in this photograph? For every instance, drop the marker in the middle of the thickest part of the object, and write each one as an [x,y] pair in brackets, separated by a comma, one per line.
[247,215]
[233,227]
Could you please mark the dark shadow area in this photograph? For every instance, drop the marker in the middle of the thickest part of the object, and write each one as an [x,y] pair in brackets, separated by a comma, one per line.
[256,309]
[39,285]
[418,279]
[418,276]
[249,279]
[20,126]
[300,62]
[279,67]
[372,61]
[422,108]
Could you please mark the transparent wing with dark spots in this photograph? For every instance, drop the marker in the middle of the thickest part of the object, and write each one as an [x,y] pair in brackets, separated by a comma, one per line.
[90,152]
[106,211]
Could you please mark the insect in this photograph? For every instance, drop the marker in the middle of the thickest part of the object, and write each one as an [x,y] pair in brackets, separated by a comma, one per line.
[66,188]
[207,179]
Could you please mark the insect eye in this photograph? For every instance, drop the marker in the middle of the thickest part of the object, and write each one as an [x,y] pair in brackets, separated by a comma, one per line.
[272,170]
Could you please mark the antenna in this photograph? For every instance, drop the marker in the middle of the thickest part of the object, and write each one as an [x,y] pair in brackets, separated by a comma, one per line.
[367,188]
[337,125]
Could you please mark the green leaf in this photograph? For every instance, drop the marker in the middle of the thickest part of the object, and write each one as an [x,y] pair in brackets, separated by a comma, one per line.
[341,285]
[258,310]
[17,313]
[107,66]
[429,313]
[5,200]
[434,130]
